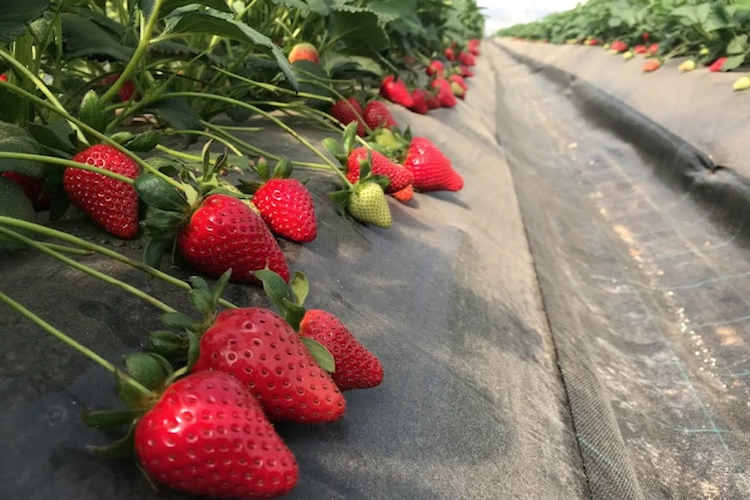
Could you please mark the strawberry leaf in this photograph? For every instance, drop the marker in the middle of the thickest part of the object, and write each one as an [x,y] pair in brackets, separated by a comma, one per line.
[144,142]
[109,419]
[350,133]
[57,136]
[180,322]
[154,251]
[93,112]
[150,369]
[158,193]
[14,139]
[292,313]
[300,287]
[283,169]
[15,15]
[277,290]
[321,355]
[221,284]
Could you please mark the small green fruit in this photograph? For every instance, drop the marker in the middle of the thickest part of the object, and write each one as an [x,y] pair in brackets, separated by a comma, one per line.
[688,65]
[627,55]
[368,204]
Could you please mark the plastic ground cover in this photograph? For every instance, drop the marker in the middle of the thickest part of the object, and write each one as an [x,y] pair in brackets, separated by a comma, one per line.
[472,406]
[640,244]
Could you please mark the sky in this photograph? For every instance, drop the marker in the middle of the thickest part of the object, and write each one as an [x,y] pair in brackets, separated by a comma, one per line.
[502,13]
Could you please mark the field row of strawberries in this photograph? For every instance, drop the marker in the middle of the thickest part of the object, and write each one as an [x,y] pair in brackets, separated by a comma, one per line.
[705,34]
[102,105]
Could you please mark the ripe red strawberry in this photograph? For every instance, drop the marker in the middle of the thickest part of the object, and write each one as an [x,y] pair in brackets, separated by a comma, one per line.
[396,91]
[377,115]
[110,203]
[224,233]
[4,77]
[435,68]
[449,54]
[652,49]
[445,93]
[717,64]
[645,36]
[207,435]
[381,165]
[433,102]
[405,195]
[618,46]
[419,105]
[473,46]
[286,206]
[34,189]
[258,348]
[590,41]
[431,168]
[640,49]
[348,111]
[356,366]
[459,80]
[466,59]
[304,52]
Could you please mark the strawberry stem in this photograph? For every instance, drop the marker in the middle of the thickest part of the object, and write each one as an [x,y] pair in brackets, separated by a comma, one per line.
[53,233]
[67,163]
[88,270]
[207,135]
[75,345]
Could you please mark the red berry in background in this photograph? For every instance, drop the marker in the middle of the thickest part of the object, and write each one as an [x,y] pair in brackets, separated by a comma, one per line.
[652,49]
[435,68]
[717,64]
[473,46]
[286,206]
[396,91]
[640,49]
[348,111]
[127,91]
[405,195]
[645,36]
[459,80]
[466,59]
[651,65]
[207,435]
[111,203]
[444,92]
[618,46]
[418,97]
[4,77]
[34,189]
[433,102]
[449,54]
[223,233]
[466,71]
[377,115]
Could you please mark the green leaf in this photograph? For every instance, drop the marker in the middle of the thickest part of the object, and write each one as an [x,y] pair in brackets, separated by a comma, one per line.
[158,193]
[178,113]
[292,313]
[275,287]
[738,45]
[14,139]
[321,355]
[221,284]
[300,287]
[122,448]
[180,322]
[334,147]
[93,113]
[85,38]
[349,138]
[154,252]
[167,6]
[57,136]
[14,203]
[150,369]
[171,345]
[110,419]
[390,10]
[15,15]
[221,24]
[733,62]
[145,142]
[360,29]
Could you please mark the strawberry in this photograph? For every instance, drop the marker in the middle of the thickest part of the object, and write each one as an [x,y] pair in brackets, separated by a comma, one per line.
[449,54]
[458,90]
[688,65]
[225,233]
[618,46]
[652,49]
[466,59]
[377,115]
[651,65]
[304,52]
[112,204]
[127,91]
[435,68]
[34,189]
[640,49]
[405,195]
[431,168]
[445,93]
[473,46]
[4,77]
[717,64]
[396,91]
[259,349]
[742,83]
[286,206]
[208,436]
[348,111]
[459,80]
[356,366]
[419,105]
[368,204]
[433,102]
[398,176]
[645,36]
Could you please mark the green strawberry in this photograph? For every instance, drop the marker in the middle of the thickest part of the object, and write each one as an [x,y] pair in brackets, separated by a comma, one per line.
[368,204]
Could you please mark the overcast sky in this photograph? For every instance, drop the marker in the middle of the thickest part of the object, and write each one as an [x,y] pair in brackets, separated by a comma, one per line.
[501,13]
